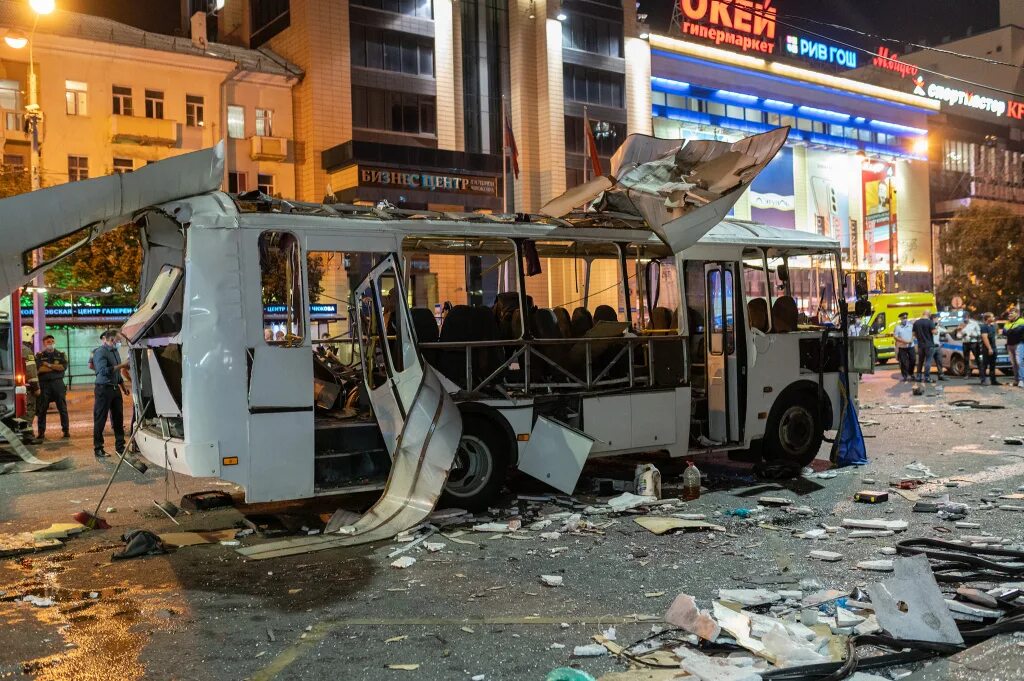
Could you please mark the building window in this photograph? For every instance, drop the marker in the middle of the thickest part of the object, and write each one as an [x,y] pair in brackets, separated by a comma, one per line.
[393,111]
[264,123]
[236,122]
[123,165]
[265,183]
[194,111]
[267,18]
[593,86]
[75,96]
[392,51]
[607,134]
[590,34]
[14,162]
[237,182]
[78,168]
[122,105]
[10,95]
[411,8]
[154,104]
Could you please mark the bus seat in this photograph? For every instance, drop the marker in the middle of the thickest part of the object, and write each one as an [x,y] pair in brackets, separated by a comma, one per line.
[661,319]
[544,325]
[485,360]
[757,314]
[605,313]
[425,325]
[784,315]
[582,321]
[564,321]
[458,327]
[504,303]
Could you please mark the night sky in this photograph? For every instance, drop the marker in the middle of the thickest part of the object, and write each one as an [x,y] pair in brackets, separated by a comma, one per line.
[921,21]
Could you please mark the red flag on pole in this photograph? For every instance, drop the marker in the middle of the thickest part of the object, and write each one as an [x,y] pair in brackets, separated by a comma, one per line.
[595,161]
[510,143]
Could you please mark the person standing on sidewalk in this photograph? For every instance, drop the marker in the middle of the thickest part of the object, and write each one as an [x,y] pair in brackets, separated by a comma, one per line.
[903,334]
[109,384]
[988,350]
[51,364]
[1015,345]
[923,329]
[970,333]
[938,335]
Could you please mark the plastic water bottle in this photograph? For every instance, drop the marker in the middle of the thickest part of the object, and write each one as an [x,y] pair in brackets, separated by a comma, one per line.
[691,482]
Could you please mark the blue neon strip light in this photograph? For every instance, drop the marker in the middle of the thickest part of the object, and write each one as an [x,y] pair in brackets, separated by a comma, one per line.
[789,81]
[776,106]
[897,129]
[737,97]
[668,85]
[823,114]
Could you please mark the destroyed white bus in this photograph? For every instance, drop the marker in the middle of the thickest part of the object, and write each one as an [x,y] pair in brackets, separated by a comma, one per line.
[705,348]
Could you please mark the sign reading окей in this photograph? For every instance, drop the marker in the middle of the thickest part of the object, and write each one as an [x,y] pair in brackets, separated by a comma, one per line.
[431,182]
[745,24]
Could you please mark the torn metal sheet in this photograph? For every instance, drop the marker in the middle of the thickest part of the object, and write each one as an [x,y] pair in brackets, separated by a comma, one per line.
[426,450]
[910,605]
[29,462]
[681,188]
[95,206]
[561,472]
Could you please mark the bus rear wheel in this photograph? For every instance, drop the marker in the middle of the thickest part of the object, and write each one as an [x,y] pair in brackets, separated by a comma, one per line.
[795,431]
[480,466]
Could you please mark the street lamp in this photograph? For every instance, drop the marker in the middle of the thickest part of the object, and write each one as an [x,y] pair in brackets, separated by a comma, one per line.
[33,116]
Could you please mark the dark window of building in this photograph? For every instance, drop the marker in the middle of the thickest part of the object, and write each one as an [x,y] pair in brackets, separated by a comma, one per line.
[123,165]
[392,51]
[484,72]
[122,104]
[194,111]
[593,86]
[265,183]
[412,8]
[393,111]
[607,134]
[78,168]
[237,182]
[590,34]
[267,18]
[154,104]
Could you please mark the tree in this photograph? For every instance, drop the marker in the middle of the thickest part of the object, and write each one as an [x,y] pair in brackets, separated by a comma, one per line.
[982,254]
[272,264]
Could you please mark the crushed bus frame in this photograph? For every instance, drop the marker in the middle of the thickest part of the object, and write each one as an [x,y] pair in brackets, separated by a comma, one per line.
[726,363]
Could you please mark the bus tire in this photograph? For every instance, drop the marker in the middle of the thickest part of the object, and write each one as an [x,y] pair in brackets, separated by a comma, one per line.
[480,466]
[795,431]
[957,365]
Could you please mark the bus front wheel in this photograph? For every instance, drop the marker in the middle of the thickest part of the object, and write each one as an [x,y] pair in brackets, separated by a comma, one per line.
[795,432]
[480,467]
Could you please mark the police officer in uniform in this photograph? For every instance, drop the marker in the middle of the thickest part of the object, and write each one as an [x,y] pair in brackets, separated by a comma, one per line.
[109,385]
[51,364]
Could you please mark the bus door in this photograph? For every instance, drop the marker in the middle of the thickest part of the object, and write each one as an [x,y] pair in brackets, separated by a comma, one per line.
[418,419]
[722,365]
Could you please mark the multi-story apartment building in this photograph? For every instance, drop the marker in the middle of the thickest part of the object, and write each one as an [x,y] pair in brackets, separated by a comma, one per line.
[403,100]
[114,98]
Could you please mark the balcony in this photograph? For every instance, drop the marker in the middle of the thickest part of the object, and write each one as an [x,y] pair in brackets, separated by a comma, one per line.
[145,131]
[268,148]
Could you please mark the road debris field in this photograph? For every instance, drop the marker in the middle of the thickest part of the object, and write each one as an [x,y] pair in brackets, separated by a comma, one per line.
[909,567]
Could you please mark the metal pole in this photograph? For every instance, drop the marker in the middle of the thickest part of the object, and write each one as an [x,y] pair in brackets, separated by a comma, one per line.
[504,158]
[892,216]
[34,114]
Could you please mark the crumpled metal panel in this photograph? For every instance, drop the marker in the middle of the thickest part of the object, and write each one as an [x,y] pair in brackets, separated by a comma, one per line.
[424,455]
[681,188]
[33,219]
[911,607]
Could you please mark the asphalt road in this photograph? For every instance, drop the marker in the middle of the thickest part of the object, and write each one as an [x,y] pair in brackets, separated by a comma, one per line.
[204,612]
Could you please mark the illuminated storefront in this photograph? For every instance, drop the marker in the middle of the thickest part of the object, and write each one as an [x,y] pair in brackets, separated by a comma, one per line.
[856,164]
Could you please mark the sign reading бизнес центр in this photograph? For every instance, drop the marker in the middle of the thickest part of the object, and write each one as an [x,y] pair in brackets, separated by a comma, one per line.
[435,182]
[745,24]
